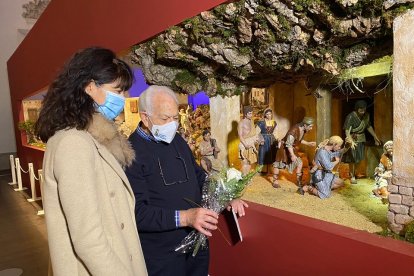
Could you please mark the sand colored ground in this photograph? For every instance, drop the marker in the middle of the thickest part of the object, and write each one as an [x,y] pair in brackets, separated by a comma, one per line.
[337,209]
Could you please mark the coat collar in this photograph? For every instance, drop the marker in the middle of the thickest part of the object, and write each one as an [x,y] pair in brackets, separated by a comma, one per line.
[107,134]
[112,146]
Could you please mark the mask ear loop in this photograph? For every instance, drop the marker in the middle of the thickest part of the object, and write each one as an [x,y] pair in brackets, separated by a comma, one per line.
[96,82]
[148,117]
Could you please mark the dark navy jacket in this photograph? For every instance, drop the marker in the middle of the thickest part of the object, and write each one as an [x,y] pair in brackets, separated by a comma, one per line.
[156,199]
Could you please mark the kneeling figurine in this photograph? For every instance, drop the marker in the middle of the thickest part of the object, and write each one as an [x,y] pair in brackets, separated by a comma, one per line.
[328,155]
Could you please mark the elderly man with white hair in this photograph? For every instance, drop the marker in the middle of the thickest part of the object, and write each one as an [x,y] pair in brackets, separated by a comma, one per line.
[167,184]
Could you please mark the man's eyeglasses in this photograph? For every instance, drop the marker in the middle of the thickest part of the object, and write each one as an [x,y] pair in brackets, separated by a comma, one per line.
[166,183]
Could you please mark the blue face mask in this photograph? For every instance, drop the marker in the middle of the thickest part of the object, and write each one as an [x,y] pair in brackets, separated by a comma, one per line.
[113,106]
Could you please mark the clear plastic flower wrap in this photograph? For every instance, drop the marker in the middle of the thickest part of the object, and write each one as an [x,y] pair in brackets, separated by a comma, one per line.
[218,190]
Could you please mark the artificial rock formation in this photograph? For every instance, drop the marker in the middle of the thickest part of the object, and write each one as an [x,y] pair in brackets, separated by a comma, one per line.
[254,43]
[33,9]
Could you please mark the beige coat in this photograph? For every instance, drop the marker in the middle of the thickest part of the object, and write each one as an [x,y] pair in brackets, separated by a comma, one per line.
[89,204]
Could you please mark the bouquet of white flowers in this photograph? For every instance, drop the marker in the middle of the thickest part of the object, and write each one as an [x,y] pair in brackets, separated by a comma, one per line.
[218,190]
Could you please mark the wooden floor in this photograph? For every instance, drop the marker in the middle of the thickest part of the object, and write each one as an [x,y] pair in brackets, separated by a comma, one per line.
[23,240]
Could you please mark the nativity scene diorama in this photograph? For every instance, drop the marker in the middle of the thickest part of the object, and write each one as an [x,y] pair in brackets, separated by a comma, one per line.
[280,136]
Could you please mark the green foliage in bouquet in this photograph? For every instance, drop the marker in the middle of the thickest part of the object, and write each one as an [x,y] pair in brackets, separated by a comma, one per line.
[233,184]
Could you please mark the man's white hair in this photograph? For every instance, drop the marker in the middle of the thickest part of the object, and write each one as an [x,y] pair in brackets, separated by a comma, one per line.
[145,99]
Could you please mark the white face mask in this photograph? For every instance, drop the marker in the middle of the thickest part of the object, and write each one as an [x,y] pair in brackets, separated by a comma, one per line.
[165,133]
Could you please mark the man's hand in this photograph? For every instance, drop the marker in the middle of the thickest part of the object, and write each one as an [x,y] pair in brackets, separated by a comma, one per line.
[238,206]
[293,158]
[351,143]
[201,219]
[306,143]
[377,141]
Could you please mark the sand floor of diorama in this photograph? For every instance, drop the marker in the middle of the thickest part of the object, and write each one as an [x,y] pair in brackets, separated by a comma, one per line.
[334,209]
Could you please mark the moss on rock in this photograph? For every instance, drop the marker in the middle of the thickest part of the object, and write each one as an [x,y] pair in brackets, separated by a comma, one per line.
[409,232]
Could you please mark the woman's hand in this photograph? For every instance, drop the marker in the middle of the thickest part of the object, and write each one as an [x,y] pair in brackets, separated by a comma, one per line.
[238,206]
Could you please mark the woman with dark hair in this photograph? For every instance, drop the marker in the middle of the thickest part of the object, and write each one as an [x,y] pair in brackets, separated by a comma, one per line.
[267,150]
[88,201]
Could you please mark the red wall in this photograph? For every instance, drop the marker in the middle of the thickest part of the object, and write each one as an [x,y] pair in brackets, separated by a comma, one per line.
[276,242]
[69,25]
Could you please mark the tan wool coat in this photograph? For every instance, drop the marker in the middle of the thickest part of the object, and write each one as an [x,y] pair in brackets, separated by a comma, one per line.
[89,204]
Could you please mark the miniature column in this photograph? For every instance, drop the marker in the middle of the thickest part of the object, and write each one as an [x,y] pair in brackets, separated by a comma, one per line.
[401,208]
[224,118]
[323,114]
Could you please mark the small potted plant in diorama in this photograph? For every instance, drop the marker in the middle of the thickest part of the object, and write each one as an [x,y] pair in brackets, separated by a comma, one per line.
[28,127]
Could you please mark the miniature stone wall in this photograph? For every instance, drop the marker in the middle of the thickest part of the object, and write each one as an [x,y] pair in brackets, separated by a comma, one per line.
[401,208]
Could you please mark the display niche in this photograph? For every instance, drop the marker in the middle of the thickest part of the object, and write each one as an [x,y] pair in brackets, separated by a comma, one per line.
[31,109]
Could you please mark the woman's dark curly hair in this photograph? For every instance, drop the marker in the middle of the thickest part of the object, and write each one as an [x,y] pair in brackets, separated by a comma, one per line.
[66,104]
